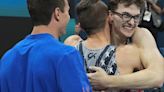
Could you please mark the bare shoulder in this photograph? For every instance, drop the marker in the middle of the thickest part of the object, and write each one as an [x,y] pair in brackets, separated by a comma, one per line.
[72,40]
[147,47]
[143,38]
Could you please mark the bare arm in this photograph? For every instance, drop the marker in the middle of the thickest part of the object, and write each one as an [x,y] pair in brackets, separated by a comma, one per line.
[155,7]
[151,76]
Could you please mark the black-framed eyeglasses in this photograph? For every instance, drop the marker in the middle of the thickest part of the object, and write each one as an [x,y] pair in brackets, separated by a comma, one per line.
[127,17]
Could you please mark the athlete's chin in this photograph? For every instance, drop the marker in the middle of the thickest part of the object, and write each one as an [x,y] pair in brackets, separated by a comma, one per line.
[128,34]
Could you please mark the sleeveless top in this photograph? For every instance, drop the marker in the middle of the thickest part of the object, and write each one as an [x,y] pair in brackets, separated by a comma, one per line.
[103,57]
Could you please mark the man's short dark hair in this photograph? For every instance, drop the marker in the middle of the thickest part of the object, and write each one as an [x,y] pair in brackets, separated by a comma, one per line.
[41,10]
[113,4]
[92,15]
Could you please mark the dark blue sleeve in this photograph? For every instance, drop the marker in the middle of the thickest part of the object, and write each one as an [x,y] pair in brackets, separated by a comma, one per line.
[71,76]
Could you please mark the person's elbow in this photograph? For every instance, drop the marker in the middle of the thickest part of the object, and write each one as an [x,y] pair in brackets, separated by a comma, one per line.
[158,73]
[158,81]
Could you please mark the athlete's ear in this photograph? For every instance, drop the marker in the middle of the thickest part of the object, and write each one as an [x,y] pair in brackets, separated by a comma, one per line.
[57,14]
[110,17]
